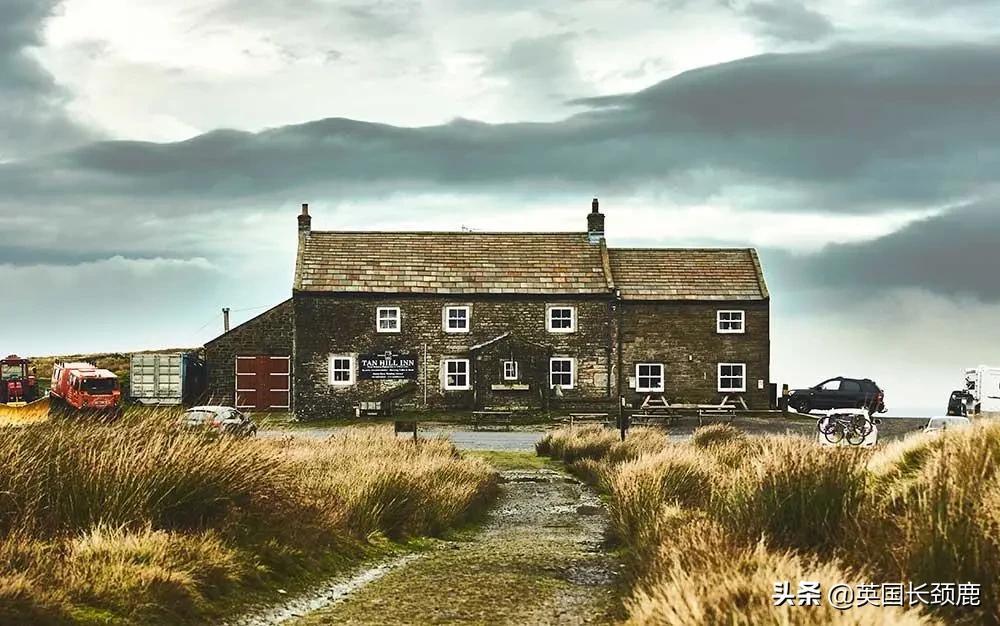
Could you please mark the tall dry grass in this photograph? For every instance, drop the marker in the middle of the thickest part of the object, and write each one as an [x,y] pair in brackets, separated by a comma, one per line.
[926,510]
[128,523]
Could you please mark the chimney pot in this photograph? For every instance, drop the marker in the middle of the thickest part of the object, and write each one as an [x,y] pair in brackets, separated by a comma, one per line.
[595,223]
[305,220]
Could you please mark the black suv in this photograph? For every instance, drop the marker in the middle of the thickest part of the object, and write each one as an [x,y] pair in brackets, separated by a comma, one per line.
[839,393]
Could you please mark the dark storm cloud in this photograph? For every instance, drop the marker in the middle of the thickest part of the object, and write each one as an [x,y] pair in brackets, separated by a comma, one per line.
[32,117]
[846,130]
[788,20]
[850,129]
[956,253]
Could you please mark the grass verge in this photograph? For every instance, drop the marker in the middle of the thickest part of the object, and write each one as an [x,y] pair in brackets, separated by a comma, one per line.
[709,526]
[133,524]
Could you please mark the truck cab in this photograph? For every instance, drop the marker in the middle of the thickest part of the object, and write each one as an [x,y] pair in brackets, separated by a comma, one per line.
[83,386]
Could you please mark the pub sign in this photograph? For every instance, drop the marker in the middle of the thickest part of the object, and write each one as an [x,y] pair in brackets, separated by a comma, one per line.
[387,366]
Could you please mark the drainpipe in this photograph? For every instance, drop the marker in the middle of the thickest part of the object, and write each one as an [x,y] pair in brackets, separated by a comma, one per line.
[425,375]
[618,333]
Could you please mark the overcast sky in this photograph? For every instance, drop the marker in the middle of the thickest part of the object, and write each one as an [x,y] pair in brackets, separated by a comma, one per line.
[153,155]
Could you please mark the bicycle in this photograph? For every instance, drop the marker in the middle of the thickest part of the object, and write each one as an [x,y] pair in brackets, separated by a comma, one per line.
[855,427]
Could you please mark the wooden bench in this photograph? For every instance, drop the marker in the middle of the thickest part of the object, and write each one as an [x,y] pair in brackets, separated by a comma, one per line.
[588,417]
[491,418]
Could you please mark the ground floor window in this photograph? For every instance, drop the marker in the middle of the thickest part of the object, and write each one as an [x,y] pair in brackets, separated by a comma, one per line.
[732,377]
[510,370]
[561,372]
[341,369]
[649,377]
[456,374]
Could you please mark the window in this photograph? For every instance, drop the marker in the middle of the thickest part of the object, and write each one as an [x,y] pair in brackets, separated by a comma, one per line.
[456,374]
[649,377]
[850,385]
[341,369]
[561,372]
[388,319]
[732,377]
[561,319]
[729,321]
[831,385]
[510,370]
[456,319]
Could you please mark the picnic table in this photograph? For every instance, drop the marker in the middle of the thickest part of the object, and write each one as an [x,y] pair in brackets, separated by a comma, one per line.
[491,418]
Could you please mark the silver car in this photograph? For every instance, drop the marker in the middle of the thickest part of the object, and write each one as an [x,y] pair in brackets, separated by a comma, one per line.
[224,420]
[938,424]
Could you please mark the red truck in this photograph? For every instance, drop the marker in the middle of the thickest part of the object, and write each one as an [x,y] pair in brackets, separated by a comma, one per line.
[79,387]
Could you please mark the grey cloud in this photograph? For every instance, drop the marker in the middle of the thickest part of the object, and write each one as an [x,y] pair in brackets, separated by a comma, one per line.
[859,129]
[539,67]
[788,20]
[955,254]
[33,119]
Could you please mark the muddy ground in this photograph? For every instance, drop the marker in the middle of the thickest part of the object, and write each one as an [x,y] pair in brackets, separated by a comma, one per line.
[538,559]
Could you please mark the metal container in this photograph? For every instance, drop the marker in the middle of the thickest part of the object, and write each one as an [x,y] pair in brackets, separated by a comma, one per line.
[168,379]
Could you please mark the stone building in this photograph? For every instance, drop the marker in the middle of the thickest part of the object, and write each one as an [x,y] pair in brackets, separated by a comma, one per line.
[471,320]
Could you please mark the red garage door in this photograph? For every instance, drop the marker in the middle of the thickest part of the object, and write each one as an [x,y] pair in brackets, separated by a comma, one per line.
[262,382]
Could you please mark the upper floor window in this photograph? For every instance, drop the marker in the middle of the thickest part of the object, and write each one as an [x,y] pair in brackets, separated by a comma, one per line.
[388,319]
[561,319]
[732,377]
[456,374]
[456,319]
[510,370]
[561,372]
[730,321]
[649,377]
[341,369]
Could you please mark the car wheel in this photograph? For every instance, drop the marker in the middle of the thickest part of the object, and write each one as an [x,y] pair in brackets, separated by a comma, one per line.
[804,406]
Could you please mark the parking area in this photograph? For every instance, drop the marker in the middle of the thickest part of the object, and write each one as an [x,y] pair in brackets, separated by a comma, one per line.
[680,429]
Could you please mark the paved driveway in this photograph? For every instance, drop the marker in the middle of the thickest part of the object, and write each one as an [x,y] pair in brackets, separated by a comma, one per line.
[464,439]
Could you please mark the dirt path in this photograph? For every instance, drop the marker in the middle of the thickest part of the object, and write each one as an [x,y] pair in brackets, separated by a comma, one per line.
[538,560]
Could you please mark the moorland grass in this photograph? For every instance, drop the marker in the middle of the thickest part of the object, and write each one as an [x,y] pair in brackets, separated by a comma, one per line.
[137,523]
[755,510]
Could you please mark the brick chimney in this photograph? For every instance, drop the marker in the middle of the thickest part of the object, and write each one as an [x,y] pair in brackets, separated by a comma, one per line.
[595,223]
[305,220]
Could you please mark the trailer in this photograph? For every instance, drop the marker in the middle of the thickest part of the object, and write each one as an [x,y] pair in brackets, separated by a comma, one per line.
[166,379]
[983,384]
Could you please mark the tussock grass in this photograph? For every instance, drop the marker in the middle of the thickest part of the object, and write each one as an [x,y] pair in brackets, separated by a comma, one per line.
[710,525]
[798,494]
[128,524]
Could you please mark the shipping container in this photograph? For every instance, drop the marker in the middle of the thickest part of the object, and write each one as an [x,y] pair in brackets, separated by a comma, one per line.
[176,378]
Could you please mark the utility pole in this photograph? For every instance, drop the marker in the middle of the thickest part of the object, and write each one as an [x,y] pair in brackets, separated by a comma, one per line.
[225,319]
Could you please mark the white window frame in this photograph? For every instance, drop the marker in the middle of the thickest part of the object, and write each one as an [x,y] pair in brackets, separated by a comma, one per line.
[510,376]
[638,378]
[444,375]
[572,371]
[742,388]
[456,307]
[572,318]
[730,331]
[351,370]
[378,319]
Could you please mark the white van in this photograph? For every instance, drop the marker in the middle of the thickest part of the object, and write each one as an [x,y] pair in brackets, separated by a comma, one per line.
[983,383]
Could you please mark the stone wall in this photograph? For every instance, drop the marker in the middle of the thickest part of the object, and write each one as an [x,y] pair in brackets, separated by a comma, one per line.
[345,324]
[682,336]
[270,333]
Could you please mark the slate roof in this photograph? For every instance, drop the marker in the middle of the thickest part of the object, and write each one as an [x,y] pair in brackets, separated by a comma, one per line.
[454,262]
[520,263]
[688,273]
